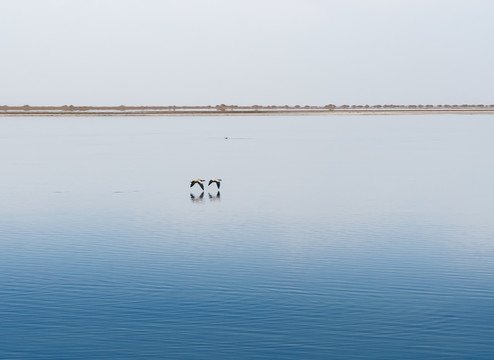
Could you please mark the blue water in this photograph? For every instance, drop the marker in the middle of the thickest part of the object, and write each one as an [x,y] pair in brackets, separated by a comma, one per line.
[332,237]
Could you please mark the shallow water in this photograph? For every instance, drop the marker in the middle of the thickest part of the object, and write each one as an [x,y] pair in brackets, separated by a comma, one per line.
[333,237]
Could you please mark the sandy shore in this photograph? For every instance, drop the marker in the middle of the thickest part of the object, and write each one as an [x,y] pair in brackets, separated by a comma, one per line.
[248,112]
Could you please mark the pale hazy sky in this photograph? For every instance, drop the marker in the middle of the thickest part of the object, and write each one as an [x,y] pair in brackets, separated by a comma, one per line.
[112,52]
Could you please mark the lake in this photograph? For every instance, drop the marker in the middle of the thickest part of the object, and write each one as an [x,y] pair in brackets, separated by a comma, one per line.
[332,237]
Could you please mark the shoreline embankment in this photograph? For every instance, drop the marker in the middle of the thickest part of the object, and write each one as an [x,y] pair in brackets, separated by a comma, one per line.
[233,110]
[246,113]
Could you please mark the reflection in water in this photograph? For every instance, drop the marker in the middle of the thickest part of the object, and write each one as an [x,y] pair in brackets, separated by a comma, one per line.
[216,197]
[197,199]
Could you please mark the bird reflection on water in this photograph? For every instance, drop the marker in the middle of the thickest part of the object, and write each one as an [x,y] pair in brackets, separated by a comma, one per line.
[197,199]
[216,197]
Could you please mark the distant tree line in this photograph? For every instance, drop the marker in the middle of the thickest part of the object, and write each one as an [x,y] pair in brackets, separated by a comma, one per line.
[225,108]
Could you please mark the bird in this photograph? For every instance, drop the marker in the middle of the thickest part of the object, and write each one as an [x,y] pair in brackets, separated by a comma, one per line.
[216,181]
[197,181]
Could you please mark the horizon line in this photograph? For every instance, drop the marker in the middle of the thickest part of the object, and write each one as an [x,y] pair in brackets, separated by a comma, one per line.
[234,106]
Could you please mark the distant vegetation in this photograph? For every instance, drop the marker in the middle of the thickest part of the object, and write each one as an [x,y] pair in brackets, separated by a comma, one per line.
[224,107]
[174,109]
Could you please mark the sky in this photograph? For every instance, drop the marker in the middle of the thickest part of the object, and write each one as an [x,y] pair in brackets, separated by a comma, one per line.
[255,52]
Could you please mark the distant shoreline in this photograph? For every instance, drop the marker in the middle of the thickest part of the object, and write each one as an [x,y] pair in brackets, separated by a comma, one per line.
[233,110]
[248,113]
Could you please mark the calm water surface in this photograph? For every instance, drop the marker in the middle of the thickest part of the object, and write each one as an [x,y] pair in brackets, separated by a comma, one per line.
[333,237]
